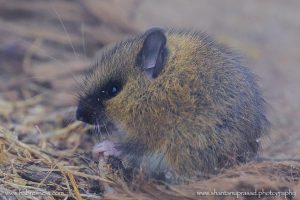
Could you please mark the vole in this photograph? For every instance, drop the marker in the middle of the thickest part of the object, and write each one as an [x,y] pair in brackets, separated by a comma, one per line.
[184,103]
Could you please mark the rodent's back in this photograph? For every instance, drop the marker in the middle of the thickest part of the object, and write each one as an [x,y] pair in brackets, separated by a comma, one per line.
[202,111]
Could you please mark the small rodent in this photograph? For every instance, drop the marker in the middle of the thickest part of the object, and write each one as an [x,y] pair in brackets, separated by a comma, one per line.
[185,104]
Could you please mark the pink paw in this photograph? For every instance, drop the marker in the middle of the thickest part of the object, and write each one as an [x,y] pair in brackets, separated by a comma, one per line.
[105,149]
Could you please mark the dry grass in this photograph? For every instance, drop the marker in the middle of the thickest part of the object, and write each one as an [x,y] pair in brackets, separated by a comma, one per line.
[44,152]
[55,163]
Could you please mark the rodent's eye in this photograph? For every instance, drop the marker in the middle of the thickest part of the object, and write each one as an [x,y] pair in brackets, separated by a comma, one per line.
[111,89]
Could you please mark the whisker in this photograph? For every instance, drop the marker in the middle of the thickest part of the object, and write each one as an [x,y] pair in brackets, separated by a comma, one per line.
[95,130]
[99,134]
[37,46]
[65,30]
[34,45]
[107,132]
[83,38]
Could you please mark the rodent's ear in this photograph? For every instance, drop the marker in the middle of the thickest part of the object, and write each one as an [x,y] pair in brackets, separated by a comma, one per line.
[151,57]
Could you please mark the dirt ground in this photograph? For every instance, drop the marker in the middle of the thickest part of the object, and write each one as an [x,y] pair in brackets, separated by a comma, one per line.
[46,45]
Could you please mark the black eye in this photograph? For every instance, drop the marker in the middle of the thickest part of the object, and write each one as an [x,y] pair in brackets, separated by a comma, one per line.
[111,90]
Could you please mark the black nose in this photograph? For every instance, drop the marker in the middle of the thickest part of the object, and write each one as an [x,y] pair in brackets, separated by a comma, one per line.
[85,115]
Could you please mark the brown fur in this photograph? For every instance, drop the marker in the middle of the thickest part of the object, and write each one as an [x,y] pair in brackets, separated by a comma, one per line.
[203,112]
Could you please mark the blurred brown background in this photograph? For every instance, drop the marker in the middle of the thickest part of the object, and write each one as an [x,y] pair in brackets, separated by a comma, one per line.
[44,44]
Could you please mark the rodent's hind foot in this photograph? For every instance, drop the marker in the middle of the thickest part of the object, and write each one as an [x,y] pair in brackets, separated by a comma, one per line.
[105,149]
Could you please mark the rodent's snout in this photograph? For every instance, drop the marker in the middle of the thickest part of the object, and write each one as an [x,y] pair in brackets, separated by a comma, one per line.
[89,113]
[85,115]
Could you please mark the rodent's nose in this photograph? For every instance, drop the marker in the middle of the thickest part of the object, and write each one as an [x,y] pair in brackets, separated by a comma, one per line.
[85,115]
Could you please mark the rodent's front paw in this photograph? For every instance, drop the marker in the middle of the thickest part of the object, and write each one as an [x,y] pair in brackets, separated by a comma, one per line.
[104,150]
